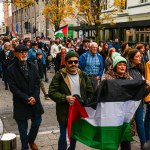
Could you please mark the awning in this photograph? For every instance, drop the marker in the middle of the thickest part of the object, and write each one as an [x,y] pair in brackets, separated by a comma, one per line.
[131,24]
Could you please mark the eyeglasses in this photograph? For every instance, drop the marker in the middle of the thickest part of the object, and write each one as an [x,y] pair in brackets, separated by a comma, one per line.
[72,61]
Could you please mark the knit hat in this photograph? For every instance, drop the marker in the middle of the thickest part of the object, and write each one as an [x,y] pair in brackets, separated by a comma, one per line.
[118,59]
[20,48]
[86,40]
[71,54]
[115,54]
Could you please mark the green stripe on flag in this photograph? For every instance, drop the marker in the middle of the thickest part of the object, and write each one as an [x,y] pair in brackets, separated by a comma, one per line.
[104,138]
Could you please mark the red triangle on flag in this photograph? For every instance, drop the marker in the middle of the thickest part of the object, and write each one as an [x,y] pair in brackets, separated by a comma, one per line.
[65,30]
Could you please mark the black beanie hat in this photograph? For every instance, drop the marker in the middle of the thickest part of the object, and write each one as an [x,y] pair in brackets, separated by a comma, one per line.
[71,54]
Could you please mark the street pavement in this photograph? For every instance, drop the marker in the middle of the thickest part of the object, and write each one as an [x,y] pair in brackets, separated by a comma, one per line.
[47,138]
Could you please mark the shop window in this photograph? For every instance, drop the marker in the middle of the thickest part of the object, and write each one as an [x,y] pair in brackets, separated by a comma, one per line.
[144,1]
[147,38]
[142,38]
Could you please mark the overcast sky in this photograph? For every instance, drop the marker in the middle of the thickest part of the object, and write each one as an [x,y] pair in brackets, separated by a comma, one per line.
[1,13]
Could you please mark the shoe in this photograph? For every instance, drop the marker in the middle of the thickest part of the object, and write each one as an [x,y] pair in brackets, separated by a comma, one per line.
[47,97]
[33,146]
[6,88]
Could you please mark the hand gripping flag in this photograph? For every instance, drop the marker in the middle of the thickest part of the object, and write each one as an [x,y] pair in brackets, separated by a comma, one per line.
[108,123]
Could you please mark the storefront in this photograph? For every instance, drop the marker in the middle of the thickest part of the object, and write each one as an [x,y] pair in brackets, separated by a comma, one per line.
[132,32]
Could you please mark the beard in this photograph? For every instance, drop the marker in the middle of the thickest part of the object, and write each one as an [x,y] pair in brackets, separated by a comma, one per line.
[23,59]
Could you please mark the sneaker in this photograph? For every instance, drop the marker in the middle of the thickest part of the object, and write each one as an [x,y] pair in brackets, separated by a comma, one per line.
[47,97]
[33,146]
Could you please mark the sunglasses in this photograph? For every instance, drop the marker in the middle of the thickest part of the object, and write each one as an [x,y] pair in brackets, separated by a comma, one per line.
[72,61]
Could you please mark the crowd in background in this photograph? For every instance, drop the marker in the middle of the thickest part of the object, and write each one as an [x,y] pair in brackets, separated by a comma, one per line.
[98,60]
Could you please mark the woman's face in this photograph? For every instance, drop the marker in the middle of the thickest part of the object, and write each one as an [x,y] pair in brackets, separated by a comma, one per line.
[106,46]
[137,58]
[121,68]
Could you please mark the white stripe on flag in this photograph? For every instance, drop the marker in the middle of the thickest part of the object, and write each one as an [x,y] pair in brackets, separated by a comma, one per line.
[112,113]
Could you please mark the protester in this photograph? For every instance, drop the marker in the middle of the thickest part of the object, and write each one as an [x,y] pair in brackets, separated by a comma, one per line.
[6,56]
[119,71]
[92,63]
[39,66]
[147,101]
[67,82]
[136,72]
[109,61]
[117,45]
[60,59]
[84,47]
[24,83]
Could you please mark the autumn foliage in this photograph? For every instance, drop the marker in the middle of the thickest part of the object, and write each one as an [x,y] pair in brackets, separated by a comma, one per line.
[57,11]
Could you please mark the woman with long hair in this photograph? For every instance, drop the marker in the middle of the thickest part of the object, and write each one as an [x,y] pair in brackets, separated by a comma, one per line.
[136,71]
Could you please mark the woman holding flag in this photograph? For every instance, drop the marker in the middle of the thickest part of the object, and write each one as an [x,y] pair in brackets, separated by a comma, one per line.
[119,71]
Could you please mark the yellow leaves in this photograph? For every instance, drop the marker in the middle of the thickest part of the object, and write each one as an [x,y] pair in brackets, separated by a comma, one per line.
[23,3]
[58,10]
[119,3]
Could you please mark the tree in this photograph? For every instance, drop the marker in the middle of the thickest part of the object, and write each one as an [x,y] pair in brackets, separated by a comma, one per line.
[94,13]
[57,11]
[20,3]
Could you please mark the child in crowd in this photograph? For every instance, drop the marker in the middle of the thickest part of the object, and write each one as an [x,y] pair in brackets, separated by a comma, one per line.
[39,66]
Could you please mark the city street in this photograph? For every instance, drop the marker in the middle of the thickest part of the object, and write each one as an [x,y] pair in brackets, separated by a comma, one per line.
[48,135]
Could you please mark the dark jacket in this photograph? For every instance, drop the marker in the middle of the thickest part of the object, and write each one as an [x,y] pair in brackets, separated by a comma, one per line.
[6,59]
[22,88]
[60,88]
[39,67]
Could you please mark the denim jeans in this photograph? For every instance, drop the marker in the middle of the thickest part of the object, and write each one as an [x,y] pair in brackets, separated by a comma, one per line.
[62,143]
[140,124]
[23,128]
[147,122]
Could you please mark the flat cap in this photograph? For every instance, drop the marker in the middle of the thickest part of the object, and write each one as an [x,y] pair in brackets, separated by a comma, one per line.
[20,48]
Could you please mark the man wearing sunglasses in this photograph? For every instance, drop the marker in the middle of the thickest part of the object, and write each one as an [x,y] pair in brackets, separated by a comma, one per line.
[66,83]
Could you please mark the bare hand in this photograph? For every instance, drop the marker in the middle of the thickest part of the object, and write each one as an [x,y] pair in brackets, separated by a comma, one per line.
[31,101]
[98,77]
[148,83]
[70,99]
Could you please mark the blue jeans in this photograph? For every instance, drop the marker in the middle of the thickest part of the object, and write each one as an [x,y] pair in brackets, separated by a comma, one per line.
[62,143]
[147,122]
[140,124]
[23,128]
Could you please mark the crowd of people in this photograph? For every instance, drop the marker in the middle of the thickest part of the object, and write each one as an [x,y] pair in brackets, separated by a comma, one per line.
[80,66]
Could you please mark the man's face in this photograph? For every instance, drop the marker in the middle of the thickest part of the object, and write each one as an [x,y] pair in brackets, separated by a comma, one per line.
[72,65]
[22,56]
[35,47]
[94,48]
[38,39]
[86,44]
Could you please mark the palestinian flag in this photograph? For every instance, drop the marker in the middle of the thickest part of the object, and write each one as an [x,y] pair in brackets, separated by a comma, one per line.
[62,30]
[106,121]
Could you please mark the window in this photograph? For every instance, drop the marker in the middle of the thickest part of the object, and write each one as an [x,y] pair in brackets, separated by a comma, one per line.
[144,1]
[105,4]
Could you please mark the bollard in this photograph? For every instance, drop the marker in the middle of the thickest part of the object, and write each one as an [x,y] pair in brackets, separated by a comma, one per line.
[8,142]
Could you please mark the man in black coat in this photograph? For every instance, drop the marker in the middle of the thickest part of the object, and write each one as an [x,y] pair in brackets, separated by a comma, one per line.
[24,83]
